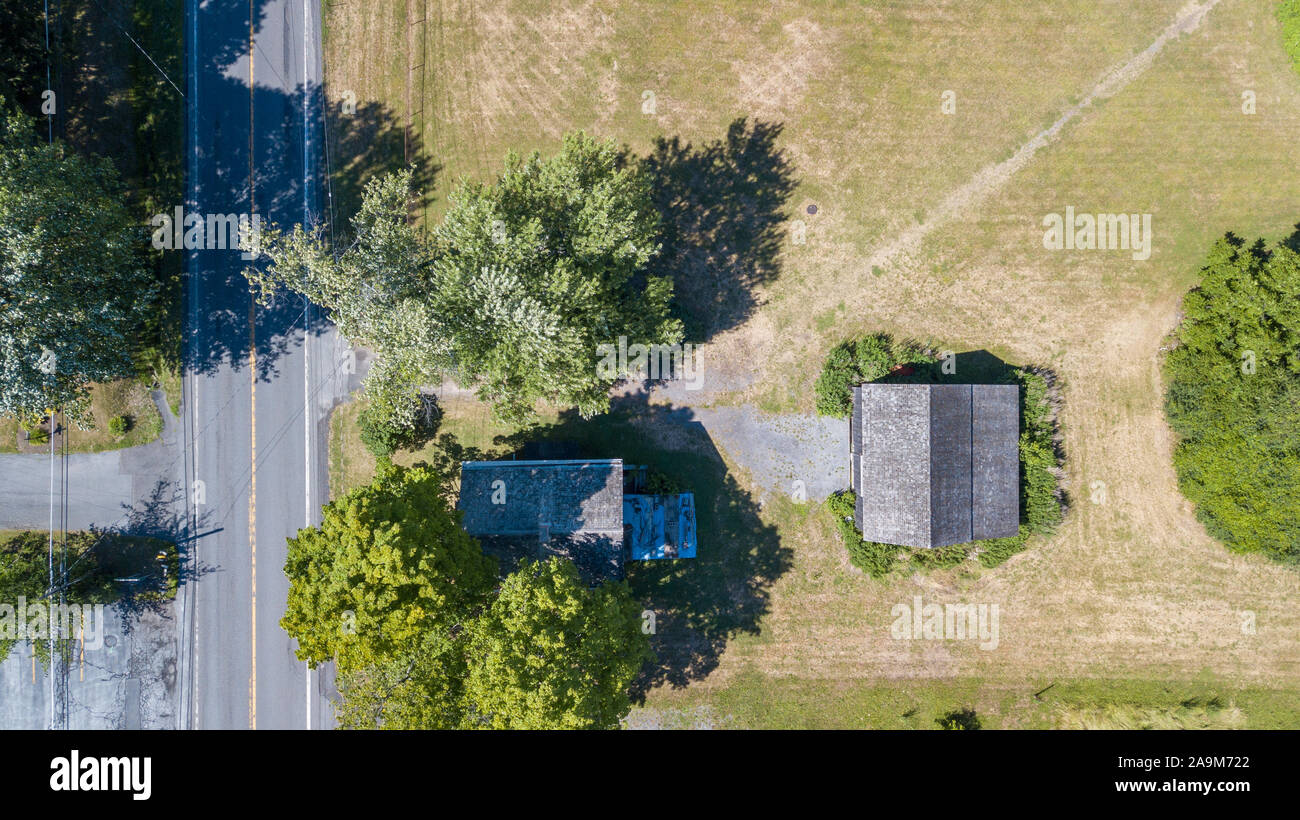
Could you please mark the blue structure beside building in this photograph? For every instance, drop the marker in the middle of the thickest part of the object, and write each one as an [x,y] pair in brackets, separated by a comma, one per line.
[659,526]
[585,510]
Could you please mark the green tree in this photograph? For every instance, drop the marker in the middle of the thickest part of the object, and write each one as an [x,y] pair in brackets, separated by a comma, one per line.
[375,289]
[1234,400]
[513,293]
[388,564]
[550,653]
[24,572]
[421,688]
[534,273]
[22,53]
[74,286]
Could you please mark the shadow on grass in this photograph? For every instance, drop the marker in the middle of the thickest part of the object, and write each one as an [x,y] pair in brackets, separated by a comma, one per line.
[722,209]
[1293,241]
[699,604]
[972,367]
[368,140]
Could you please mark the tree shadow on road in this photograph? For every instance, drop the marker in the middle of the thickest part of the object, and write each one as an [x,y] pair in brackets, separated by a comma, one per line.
[220,330]
[155,579]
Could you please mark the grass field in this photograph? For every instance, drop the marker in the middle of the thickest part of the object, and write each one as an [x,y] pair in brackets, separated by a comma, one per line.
[756,701]
[468,421]
[1288,14]
[125,397]
[926,225]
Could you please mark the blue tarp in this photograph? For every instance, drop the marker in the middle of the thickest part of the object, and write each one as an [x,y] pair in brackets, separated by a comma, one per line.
[659,526]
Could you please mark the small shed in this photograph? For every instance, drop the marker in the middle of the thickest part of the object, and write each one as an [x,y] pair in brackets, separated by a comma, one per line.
[659,526]
[935,464]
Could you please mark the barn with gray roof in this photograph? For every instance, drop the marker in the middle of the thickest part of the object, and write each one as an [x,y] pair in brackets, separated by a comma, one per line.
[935,464]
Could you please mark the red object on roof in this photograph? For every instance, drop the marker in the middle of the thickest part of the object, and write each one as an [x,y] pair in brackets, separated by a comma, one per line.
[902,369]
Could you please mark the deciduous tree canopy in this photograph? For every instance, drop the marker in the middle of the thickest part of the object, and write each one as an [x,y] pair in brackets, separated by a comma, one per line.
[388,563]
[392,588]
[549,653]
[74,286]
[512,293]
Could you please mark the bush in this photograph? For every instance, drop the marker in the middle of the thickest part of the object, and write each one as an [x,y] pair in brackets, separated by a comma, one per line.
[658,483]
[33,426]
[1233,398]
[960,719]
[119,425]
[858,361]
[1040,496]
[875,559]
[385,433]
[381,436]
[1288,14]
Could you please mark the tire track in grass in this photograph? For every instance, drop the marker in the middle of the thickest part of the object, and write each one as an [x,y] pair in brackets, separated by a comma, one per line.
[901,251]
[748,434]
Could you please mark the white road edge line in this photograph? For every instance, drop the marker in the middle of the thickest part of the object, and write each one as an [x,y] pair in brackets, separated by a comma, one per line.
[192,444]
[306,338]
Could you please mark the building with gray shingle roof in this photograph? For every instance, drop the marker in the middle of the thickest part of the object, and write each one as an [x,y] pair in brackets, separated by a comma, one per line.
[935,464]
[537,509]
[574,509]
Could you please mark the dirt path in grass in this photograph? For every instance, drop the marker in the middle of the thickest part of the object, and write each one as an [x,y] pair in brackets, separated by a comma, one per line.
[901,250]
[1131,585]
[781,449]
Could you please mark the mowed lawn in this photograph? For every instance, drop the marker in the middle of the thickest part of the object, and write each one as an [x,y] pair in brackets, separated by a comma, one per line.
[123,397]
[1130,598]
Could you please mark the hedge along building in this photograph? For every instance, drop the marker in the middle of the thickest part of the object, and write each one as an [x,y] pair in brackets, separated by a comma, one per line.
[935,464]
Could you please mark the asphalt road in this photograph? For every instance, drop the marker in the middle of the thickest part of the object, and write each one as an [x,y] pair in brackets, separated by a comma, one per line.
[260,379]
[128,680]
[115,489]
